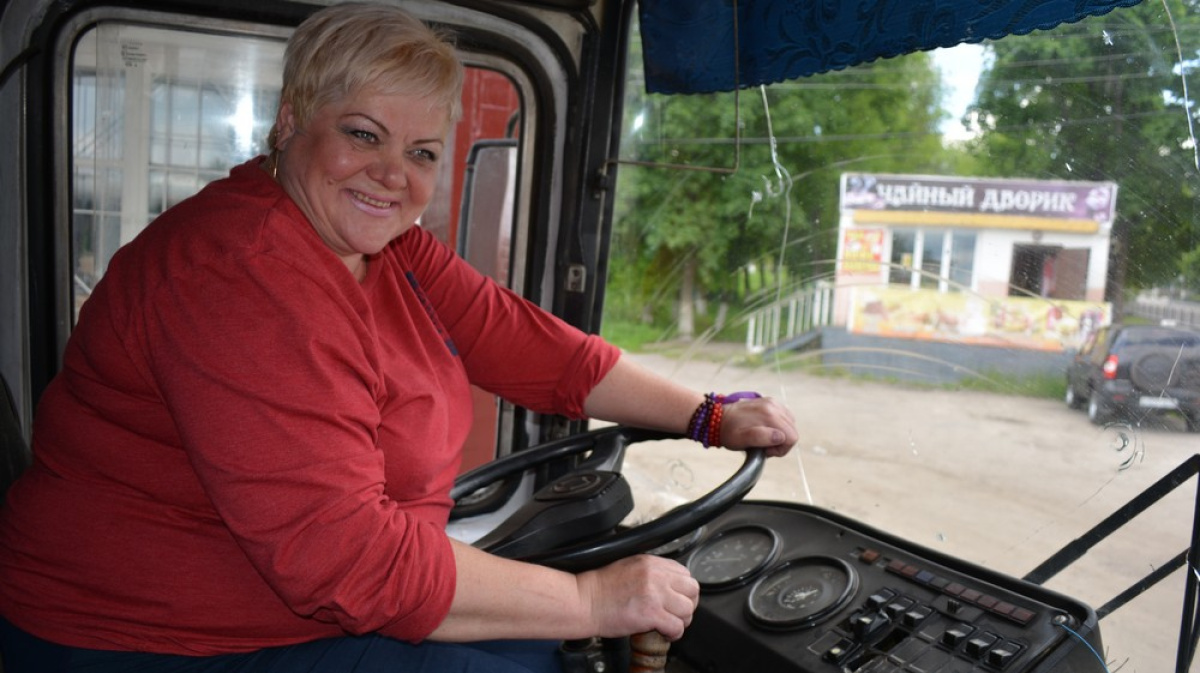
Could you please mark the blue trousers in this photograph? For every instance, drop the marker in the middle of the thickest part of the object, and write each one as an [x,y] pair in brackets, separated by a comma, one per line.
[25,653]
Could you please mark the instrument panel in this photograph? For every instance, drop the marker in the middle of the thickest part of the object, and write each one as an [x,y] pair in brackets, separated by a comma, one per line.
[733,556]
[790,588]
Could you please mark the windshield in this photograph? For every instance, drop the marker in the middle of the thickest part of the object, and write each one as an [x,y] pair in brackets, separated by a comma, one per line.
[911,254]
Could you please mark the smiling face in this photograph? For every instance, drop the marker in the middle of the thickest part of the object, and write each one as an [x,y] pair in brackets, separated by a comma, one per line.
[363,168]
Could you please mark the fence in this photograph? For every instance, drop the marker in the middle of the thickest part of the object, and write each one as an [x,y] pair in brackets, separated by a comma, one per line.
[1152,306]
[786,322]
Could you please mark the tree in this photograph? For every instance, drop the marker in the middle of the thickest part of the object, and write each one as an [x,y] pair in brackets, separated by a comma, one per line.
[1189,270]
[1102,100]
[699,232]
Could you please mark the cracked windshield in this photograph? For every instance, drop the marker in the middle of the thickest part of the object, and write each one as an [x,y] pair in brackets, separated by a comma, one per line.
[972,275]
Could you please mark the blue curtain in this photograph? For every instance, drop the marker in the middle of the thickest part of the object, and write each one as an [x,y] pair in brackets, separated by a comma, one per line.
[689,44]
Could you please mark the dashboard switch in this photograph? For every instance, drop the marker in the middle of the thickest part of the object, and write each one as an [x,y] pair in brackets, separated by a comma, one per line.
[880,599]
[977,646]
[865,624]
[1001,655]
[898,607]
[839,651]
[956,634]
[915,616]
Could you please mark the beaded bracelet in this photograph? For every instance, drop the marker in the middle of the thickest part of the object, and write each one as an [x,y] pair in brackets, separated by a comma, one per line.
[705,424]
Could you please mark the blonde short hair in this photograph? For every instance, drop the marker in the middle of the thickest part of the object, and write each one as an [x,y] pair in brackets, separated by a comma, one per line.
[345,47]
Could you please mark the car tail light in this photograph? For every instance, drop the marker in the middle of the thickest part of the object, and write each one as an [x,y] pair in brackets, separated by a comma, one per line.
[1110,367]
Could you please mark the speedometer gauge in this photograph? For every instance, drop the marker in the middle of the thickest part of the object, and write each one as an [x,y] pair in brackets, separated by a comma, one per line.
[732,557]
[802,592]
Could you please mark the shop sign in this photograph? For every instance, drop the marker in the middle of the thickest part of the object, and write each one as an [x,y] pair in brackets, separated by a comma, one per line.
[1013,322]
[862,251]
[1092,201]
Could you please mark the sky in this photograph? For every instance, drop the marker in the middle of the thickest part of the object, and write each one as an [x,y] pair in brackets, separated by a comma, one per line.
[960,67]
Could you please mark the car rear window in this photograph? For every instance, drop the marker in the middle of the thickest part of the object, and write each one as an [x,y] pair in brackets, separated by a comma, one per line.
[1159,337]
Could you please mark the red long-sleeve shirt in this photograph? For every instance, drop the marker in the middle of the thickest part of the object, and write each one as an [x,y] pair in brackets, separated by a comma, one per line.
[248,448]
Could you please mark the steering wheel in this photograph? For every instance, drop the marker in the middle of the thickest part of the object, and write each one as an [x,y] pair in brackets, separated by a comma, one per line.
[594,497]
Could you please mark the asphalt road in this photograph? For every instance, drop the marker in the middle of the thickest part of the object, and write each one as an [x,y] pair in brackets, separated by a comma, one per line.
[1002,481]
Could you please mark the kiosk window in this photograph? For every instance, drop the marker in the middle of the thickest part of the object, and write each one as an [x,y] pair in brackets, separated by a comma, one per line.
[936,260]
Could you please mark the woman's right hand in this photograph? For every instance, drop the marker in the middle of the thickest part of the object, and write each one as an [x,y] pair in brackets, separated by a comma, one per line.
[640,593]
[497,598]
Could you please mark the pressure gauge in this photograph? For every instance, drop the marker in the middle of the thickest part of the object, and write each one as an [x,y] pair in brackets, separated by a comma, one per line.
[802,592]
[733,557]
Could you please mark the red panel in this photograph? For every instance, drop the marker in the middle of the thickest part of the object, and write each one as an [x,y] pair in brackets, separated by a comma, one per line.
[489,103]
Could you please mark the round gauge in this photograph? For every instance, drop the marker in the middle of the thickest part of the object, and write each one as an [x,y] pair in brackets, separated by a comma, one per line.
[802,592]
[679,545]
[732,557]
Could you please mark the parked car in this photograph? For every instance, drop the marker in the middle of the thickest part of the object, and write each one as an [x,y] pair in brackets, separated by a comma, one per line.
[1129,372]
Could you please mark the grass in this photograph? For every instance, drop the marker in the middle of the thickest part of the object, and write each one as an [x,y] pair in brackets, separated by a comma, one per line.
[1044,385]
[630,336]
[640,338]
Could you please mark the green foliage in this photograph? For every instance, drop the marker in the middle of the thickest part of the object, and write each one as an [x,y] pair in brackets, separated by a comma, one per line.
[1189,269]
[1048,385]
[1103,100]
[630,336]
[766,210]
[1097,100]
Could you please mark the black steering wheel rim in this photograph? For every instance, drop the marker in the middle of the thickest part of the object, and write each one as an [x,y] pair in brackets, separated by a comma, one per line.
[609,444]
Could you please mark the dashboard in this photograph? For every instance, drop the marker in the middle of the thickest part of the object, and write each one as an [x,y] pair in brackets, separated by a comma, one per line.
[791,588]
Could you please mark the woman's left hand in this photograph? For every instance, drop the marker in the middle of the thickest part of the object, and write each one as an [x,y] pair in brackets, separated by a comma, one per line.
[760,423]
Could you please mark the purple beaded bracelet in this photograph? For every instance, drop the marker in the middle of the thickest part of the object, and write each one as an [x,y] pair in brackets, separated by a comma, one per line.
[705,424]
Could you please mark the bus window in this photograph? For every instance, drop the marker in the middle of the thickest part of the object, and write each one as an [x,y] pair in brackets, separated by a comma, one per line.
[157,113]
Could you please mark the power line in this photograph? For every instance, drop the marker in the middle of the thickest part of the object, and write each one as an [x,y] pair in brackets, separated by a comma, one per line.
[891,135]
